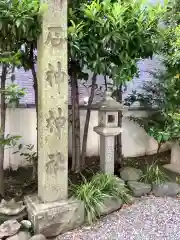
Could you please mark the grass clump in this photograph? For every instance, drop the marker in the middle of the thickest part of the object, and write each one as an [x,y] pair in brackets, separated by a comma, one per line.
[94,193]
[154,175]
[112,186]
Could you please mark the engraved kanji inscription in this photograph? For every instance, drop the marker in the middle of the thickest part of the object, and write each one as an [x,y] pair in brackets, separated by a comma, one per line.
[55,122]
[54,77]
[59,2]
[55,163]
[53,213]
[54,36]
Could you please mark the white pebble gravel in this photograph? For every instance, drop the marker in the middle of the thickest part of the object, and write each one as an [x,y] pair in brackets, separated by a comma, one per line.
[148,219]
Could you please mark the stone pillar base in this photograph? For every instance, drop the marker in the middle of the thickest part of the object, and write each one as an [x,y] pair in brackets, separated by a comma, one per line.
[52,219]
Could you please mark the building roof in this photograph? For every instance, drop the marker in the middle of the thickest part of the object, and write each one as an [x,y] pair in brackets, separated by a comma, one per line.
[24,79]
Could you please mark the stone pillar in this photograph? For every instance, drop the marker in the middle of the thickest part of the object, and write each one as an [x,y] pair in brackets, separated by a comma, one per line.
[50,212]
[107,154]
[53,104]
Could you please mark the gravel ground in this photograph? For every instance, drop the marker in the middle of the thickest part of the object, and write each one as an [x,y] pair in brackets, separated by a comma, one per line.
[148,219]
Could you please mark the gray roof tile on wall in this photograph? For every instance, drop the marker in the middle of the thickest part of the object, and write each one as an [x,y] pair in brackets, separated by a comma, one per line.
[25,80]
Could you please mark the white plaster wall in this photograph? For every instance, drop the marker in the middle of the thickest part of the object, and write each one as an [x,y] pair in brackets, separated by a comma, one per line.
[23,122]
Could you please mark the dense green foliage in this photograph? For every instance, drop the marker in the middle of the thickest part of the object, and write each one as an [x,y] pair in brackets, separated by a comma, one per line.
[19,23]
[165,91]
[169,81]
[20,26]
[108,37]
[172,13]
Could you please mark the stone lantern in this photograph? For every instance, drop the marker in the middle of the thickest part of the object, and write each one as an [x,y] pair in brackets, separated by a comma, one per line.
[107,129]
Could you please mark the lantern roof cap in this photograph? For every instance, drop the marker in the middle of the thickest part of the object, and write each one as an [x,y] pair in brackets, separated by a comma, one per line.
[109,104]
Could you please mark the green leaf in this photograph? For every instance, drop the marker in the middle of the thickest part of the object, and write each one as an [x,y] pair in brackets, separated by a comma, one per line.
[18,23]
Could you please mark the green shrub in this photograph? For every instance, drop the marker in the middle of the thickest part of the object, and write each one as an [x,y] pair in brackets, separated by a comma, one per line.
[94,193]
[154,175]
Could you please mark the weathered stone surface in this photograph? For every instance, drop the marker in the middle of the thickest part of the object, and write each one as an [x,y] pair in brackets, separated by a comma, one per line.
[131,174]
[107,154]
[9,228]
[111,205]
[173,167]
[26,224]
[166,189]
[53,103]
[38,237]
[139,189]
[120,182]
[18,217]
[175,151]
[108,129]
[52,219]
[11,207]
[20,236]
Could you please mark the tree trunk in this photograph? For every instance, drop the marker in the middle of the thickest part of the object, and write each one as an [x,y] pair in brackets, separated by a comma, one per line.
[35,83]
[105,82]
[75,122]
[77,128]
[159,147]
[86,126]
[73,96]
[3,120]
[35,86]
[119,155]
